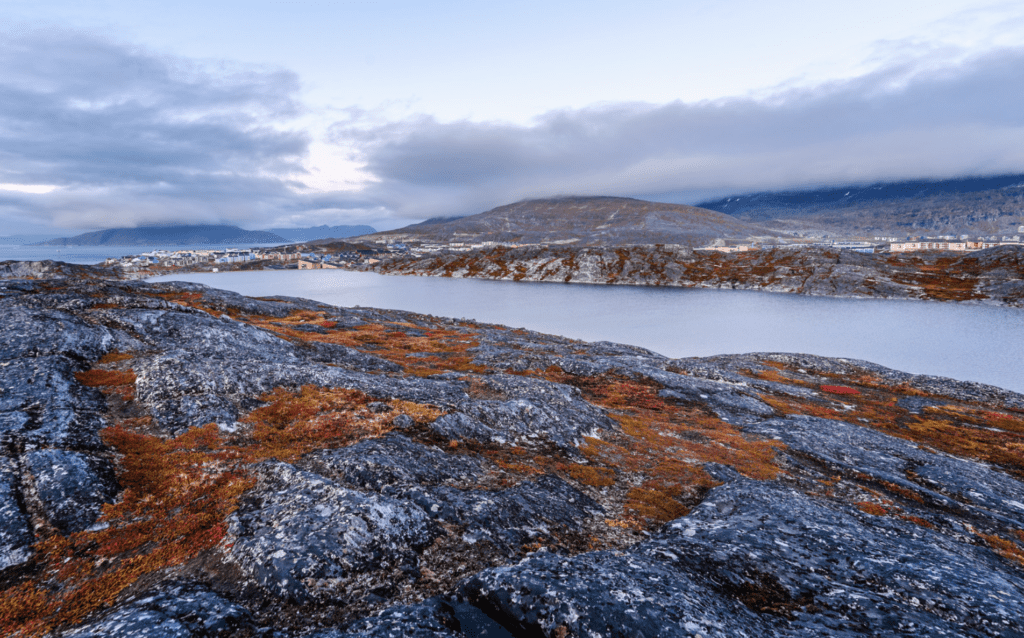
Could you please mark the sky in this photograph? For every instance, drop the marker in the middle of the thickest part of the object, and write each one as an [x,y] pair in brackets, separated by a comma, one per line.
[292,113]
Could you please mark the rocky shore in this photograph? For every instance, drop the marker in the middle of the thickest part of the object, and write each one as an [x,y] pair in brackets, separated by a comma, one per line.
[182,461]
[50,269]
[995,275]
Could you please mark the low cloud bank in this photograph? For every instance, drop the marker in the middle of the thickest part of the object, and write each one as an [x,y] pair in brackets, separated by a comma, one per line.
[129,137]
[926,118]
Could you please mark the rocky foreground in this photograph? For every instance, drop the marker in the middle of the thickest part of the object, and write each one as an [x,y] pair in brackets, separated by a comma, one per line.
[182,461]
[994,276]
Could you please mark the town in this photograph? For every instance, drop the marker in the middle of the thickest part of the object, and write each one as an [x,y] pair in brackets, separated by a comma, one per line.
[348,256]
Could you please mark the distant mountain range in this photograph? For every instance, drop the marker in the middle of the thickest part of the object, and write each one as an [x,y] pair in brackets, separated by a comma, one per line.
[21,240]
[322,232]
[201,234]
[970,205]
[169,236]
[583,221]
[977,206]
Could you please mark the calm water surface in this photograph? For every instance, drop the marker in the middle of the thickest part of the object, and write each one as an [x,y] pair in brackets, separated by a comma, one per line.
[969,342]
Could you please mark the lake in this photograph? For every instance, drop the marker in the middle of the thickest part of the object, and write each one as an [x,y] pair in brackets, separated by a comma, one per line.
[968,342]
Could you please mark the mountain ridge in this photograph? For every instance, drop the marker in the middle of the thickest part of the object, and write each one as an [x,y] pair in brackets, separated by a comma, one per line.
[976,206]
[323,231]
[172,235]
[585,220]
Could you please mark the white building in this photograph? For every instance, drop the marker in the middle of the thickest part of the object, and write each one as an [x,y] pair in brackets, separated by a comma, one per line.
[934,244]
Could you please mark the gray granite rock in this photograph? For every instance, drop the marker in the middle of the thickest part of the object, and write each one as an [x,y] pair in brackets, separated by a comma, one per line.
[822,570]
[457,426]
[610,594]
[35,333]
[374,464]
[71,486]
[970,488]
[176,611]
[508,518]
[434,618]
[432,479]
[16,536]
[864,574]
[300,536]
[182,389]
[42,404]
[535,409]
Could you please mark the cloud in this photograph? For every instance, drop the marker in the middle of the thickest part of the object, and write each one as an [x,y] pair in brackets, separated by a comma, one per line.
[98,134]
[131,137]
[932,115]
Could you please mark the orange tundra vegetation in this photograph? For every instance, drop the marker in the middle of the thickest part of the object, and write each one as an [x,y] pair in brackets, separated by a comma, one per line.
[967,430]
[177,495]
[192,300]
[1007,549]
[661,446]
[294,423]
[963,430]
[101,378]
[114,356]
[839,389]
[446,348]
[118,382]
[178,492]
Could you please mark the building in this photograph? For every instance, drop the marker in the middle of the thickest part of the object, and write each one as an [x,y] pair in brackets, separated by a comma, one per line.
[310,264]
[728,249]
[934,244]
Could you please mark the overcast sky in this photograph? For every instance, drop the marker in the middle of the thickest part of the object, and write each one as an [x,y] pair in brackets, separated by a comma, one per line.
[272,113]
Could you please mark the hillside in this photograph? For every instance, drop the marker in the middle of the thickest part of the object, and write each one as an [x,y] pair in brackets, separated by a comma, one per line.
[322,232]
[196,235]
[973,206]
[181,461]
[994,276]
[584,221]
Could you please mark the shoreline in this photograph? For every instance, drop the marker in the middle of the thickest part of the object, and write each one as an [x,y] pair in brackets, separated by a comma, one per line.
[994,277]
[991,277]
[966,302]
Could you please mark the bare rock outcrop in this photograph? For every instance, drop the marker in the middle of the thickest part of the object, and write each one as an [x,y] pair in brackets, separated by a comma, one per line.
[182,461]
[994,275]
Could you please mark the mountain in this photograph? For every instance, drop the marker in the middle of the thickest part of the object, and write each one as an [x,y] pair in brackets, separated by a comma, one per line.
[976,206]
[169,236]
[21,240]
[584,221]
[322,232]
